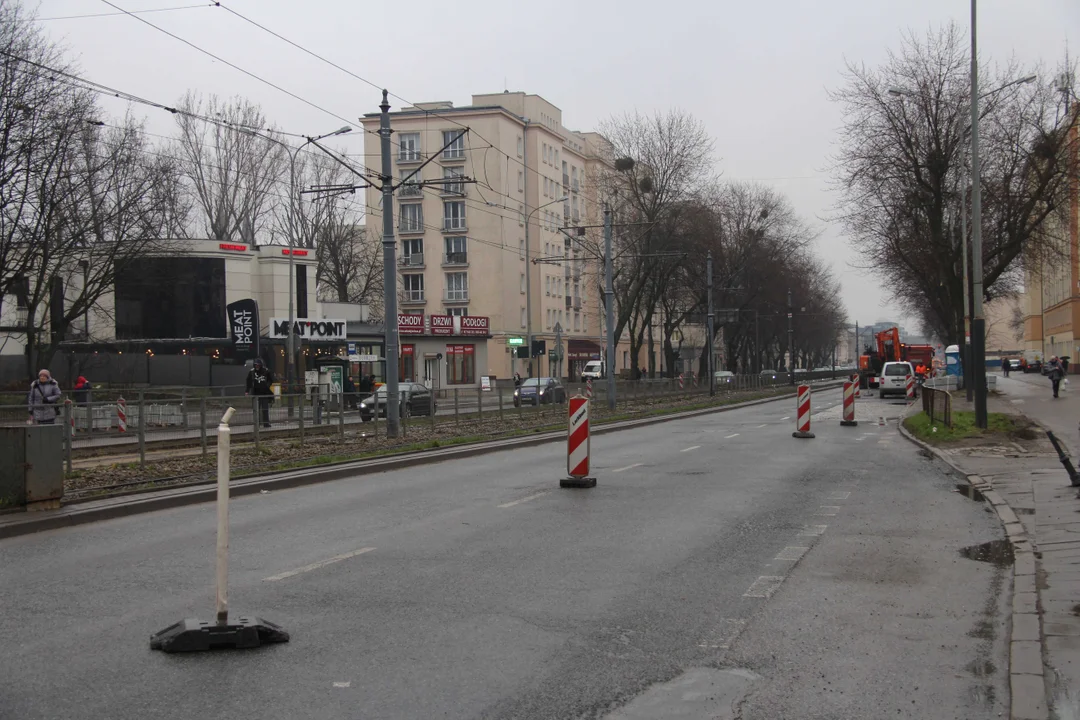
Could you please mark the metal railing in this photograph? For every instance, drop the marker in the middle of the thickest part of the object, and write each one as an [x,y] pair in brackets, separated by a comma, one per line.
[937,404]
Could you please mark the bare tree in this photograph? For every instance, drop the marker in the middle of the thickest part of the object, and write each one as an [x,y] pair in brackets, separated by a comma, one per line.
[902,170]
[230,169]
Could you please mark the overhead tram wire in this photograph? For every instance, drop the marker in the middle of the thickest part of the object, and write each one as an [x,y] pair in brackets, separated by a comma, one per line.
[139,12]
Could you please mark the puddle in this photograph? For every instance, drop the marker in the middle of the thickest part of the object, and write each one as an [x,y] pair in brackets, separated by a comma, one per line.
[998,552]
[1076,610]
[969,491]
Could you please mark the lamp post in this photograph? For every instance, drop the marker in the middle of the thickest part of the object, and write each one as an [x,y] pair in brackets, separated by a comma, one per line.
[293,152]
[528,279]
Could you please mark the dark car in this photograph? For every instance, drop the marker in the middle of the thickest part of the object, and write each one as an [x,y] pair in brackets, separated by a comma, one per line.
[536,391]
[416,400]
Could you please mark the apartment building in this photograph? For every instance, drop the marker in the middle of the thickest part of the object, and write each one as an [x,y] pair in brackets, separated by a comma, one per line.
[478,231]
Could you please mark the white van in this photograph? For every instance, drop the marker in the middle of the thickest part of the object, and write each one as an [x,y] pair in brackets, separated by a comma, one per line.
[594,369]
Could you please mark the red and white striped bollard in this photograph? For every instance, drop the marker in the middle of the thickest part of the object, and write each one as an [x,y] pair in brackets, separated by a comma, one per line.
[121,415]
[588,387]
[850,389]
[577,446]
[910,391]
[681,382]
[802,414]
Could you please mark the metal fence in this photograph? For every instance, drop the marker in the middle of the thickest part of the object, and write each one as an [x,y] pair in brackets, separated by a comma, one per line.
[937,404]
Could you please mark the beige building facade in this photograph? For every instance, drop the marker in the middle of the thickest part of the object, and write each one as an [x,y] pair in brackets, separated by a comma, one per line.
[480,230]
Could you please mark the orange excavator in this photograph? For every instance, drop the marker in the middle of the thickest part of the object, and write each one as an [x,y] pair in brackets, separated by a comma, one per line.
[890,349]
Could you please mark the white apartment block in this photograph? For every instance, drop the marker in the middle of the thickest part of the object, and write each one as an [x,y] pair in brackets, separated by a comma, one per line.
[462,244]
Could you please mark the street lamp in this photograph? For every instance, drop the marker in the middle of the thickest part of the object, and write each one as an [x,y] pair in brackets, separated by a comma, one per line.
[290,366]
[528,279]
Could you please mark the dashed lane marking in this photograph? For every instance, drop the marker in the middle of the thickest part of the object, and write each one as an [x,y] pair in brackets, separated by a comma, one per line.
[812,530]
[792,552]
[728,437]
[786,417]
[828,510]
[692,447]
[764,586]
[345,684]
[721,636]
[840,495]
[525,499]
[317,565]
[761,426]
[623,469]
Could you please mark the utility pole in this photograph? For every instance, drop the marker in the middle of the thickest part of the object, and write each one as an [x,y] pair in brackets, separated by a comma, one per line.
[389,273]
[790,342]
[710,324]
[528,258]
[968,366]
[609,302]
[978,324]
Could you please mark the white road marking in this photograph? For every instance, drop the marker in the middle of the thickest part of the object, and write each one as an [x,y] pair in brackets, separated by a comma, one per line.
[828,510]
[317,565]
[525,499]
[628,467]
[812,530]
[728,437]
[791,552]
[764,586]
[840,495]
[343,684]
[786,417]
[761,426]
[720,637]
[692,447]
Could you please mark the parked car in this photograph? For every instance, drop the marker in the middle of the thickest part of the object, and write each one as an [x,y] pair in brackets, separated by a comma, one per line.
[416,399]
[724,376]
[893,380]
[769,373]
[593,369]
[536,391]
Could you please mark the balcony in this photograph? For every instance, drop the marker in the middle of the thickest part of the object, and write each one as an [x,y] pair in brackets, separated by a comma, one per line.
[408,227]
[577,302]
[413,260]
[453,224]
[408,155]
[577,271]
[411,189]
[412,297]
[574,185]
[456,258]
[577,216]
[453,188]
[566,270]
[565,180]
[566,214]
[456,296]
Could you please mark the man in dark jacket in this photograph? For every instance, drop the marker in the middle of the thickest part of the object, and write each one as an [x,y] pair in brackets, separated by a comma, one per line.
[259,382]
[1055,373]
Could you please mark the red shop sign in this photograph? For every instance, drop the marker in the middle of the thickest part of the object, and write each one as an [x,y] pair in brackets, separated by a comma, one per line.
[410,324]
[408,349]
[232,247]
[295,253]
[474,325]
[442,324]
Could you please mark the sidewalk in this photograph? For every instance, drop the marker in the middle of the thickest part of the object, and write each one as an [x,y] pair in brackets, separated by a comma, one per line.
[1030,490]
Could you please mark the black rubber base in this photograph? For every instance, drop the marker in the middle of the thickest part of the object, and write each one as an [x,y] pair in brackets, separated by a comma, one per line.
[577,482]
[192,635]
[804,435]
[849,423]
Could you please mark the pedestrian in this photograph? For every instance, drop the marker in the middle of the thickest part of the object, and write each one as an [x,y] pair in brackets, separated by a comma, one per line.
[517,379]
[350,392]
[1006,365]
[81,392]
[42,399]
[1055,373]
[259,382]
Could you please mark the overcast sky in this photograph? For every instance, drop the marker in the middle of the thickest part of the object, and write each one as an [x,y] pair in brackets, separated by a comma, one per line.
[756,73]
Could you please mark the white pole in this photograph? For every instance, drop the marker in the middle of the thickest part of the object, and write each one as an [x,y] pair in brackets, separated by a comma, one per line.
[223,441]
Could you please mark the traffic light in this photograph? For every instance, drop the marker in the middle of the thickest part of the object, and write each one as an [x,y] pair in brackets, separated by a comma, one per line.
[539,348]
[521,352]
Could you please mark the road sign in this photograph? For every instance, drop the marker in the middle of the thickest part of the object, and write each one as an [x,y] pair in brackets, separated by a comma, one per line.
[515,341]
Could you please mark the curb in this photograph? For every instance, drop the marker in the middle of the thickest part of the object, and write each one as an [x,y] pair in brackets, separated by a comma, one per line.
[122,506]
[1026,674]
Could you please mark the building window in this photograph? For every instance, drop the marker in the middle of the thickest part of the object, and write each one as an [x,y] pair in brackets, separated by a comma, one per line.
[545,152]
[408,147]
[411,218]
[457,311]
[452,184]
[457,250]
[547,284]
[524,320]
[521,248]
[521,181]
[410,182]
[521,147]
[457,287]
[412,251]
[460,364]
[414,287]
[455,144]
[577,321]
[523,282]
[454,215]
[521,215]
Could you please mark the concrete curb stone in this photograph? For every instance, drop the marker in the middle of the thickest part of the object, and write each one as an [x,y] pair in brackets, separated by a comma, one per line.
[1027,682]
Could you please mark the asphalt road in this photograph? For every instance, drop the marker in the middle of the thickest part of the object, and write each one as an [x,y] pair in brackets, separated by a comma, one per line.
[720,566]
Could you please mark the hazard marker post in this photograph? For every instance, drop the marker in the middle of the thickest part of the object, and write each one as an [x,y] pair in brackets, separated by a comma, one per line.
[193,635]
[588,388]
[681,382]
[802,415]
[850,389]
[577,446]
[121,415]
[858,384]
[910,387]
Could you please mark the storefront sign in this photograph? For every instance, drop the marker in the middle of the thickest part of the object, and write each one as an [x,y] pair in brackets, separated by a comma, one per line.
[485,383]
[365,358]
[515,341]
[243,316]
[442,325]
[325,330]
[410,324]
[294,253]
[472,325]
[232,248]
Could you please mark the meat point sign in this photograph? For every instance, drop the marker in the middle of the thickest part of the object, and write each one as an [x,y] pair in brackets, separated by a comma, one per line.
[313,330]
[244,327]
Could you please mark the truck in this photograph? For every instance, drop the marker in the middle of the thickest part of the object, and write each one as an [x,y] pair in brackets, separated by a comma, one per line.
[888,348]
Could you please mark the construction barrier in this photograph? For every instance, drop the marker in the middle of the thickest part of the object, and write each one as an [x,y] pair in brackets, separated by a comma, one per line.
[857,382]
[681,384]
[577,446]
[850,390]
[910,387]
[121,415]
[588,388]
[802,415]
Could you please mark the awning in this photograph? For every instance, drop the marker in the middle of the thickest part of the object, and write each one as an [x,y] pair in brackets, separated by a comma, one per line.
[582,350]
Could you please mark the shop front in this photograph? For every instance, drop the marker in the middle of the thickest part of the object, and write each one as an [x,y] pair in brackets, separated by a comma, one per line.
[579,352]
[443,351]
